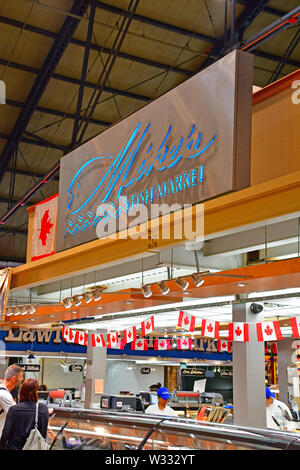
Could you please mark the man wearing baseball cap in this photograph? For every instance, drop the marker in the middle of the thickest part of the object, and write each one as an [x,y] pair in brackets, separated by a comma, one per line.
[278,414]
[161,408]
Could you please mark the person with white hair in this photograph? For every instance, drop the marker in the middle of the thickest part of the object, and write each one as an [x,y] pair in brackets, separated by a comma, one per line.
[12,379]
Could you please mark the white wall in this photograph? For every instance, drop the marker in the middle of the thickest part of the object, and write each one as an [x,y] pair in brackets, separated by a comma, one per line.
[118,377]
[55,377]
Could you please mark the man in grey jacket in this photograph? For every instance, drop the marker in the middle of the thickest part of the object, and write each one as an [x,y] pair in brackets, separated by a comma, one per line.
[13,377]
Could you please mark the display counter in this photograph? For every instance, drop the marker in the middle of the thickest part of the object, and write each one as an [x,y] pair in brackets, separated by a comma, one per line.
[98,430]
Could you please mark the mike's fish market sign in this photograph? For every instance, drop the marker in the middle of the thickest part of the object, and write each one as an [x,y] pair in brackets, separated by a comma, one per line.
[187,146]
[40,340]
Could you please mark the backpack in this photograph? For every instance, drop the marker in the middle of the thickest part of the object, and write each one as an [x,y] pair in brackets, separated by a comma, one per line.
[35,440]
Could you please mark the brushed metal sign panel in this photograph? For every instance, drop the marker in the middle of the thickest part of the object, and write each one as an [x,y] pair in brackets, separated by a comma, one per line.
[189,145]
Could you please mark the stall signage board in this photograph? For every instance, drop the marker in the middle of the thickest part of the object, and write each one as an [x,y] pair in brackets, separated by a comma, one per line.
[191,372]
[187,146]
[30,367]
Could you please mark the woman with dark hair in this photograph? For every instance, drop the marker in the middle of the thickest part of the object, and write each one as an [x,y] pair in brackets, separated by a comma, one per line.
[20,419]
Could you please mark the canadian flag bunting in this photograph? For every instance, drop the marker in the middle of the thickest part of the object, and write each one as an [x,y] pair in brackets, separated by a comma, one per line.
[120,344]
[68,334]
[268,331]
[162,344]
[295,324]
[185,343]
[147,326]
[238,331]
[81,338]
[112,339]
[97,340]
[130,334]
[186,321]
[139,345]
[223,345]
[210,328]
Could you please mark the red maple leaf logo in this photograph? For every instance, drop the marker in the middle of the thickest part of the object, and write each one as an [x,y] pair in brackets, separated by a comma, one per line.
[113,339]
[45,227]
[139,344]
[238,331]
[184,343]
[223,345]
[268,330]
[98,339]
[129,334]
[210,328]
[70,334]
[81,337]
[162,344]
[186,320]
[148,324]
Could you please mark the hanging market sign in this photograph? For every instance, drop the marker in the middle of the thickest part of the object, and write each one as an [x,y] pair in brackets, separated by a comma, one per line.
[226,373]
[187,146]
[195,371]
[30,367]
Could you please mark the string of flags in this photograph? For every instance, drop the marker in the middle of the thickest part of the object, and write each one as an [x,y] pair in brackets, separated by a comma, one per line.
[237,331]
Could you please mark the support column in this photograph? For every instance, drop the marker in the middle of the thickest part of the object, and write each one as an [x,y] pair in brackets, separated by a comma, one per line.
[95,375]
[248,372]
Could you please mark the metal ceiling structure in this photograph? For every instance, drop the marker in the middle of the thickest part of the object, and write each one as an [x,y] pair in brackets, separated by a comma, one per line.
[74,67]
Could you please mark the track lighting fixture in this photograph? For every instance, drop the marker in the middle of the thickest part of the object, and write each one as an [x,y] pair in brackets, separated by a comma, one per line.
[67,302]
[9,312]
[87,297]
[182,283]
[16,310]
[97,293]
[164,289]
[76,300]
[146,291]
[197,279]
[31,309]
[23,310]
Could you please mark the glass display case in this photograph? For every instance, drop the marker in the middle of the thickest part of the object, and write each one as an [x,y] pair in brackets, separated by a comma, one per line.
[99,430]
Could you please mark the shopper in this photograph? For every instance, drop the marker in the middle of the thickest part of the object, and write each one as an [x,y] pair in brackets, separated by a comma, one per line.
[20,418]
[161,408]
[12,379]
[278,414]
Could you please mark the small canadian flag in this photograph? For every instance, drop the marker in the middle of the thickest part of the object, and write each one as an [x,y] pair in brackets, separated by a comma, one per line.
[97,340]
[210,328]
[186,321]
[68,334]
[130,334]
[185,343]
[119,345]
[238,331]
[268,331]
[162,344]
[139,345]
[147,326]
[223,345]
[81,338]
[112,339]
[295,324]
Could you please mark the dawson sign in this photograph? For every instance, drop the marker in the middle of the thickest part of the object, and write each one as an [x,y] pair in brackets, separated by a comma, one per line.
[189,145]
